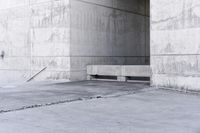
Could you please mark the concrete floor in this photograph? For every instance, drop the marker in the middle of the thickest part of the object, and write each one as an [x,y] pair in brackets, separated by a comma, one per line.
[18,97]
[123,108]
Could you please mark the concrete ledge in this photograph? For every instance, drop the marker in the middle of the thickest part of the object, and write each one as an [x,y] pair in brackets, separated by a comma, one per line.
[122,72]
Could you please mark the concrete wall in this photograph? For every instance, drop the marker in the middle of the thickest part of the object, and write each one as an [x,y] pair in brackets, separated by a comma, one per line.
[108,32]
[34,34]
[175,43]
[67,35]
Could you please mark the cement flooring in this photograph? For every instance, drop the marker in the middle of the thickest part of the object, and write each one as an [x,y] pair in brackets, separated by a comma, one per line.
[21,96]
[123,108]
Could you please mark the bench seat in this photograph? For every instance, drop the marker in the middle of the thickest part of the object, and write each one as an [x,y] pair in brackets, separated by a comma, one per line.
[122,72]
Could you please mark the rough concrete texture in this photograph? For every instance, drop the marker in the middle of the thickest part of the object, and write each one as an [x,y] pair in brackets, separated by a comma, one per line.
[175,29]
[24,96]
[65,36]
[149,111]
[111,32]
[34,35]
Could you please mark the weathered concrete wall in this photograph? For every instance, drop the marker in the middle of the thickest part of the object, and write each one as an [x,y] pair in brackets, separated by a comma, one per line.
[34,34]
[14,25]
[67,35]
[175,43]
[108,32]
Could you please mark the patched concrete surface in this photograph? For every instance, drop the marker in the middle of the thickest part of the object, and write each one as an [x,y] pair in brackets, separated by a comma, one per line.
[97,106]
[175,49]
[67,35]
[38,94]
[153,111]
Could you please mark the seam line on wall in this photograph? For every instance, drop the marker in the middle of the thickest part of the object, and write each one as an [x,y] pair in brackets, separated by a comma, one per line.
[73,56]
[175,55]
[114,8]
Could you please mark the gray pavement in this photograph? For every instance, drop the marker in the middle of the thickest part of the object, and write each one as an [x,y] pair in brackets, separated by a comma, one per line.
[123,108]
[30,95]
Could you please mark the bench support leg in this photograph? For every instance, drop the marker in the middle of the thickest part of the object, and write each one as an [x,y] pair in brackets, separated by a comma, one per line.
[122,79]
[89,77]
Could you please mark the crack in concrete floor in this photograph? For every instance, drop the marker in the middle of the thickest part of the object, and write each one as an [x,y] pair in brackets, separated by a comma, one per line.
[99,107]
[27,97]
[74,100]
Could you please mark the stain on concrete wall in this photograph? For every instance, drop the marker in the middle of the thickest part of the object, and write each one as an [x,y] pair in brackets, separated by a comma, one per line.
[111,32]
[67,35]
[175,43]
[34,35]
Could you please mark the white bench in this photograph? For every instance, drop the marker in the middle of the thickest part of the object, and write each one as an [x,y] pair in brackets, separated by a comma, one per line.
[122,72]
